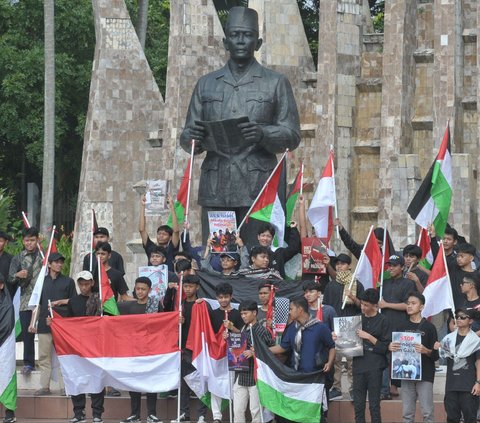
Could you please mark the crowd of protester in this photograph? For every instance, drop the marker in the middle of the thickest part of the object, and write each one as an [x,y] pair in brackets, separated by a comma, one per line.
[308,341]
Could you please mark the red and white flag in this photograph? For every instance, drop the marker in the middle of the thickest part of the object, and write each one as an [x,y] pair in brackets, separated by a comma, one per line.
[370,262]
[209,356]
[424,243]
[320,212]
[133,352]
[438,291]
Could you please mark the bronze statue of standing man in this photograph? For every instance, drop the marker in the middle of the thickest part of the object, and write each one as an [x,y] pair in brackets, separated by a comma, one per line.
[231,180]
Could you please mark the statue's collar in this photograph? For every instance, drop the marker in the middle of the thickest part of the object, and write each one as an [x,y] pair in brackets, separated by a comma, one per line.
[255,71]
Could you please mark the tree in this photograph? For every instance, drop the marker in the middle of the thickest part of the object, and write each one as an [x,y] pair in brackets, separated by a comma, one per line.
[48,174]
[142,21]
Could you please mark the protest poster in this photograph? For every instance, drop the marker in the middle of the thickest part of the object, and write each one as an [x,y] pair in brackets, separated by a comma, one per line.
[237,344]
[155,197]
[348,343]
[159,277]
[313,251]
[223,229]
[406,362]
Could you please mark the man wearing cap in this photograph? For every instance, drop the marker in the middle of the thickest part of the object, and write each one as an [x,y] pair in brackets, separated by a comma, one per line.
[58,289]
[231,178]
[229,260]
[336,292]
[115,261]
[394,305]
[5,260]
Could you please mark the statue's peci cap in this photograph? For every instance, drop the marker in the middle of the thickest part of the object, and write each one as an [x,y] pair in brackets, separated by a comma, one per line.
[242,17]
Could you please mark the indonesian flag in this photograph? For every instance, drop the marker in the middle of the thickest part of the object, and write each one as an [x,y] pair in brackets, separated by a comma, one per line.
[9,330]
[271,203]
[294,193]
[432,201]
[424,243]
[109,302]
[370,262]
[180,205]
[320,212]
[296,396]
[209,357]
[136,352]
[438,291]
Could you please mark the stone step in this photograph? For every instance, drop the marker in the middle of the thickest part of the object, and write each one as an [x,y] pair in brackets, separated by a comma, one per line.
[59,408]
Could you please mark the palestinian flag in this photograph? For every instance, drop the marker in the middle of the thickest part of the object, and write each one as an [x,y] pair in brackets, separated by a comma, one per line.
[271,203]
[370,262]
[296,396]
[180,205]
[137,352]
[438,291]
[109,302]
[9,330]
[294,193]
[209,357]
[424,243]
[320,212]
[432,201]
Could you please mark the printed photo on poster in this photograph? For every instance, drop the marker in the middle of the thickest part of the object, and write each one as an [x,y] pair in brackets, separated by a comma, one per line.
[406,362]
[223,229]
[348,343]
[159,277]
[237,344]
[313,251]
[156,197]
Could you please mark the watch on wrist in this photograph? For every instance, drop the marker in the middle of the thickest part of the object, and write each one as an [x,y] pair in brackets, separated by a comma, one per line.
[477,381]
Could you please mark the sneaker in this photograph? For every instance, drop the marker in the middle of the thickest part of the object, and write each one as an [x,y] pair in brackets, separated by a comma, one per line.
[97,420]
[132,419]
[42,391]
[335,394]
[112,392]
[78,419]
[27,370]
[182,418]
[9,420]
[201,419]
[153,419]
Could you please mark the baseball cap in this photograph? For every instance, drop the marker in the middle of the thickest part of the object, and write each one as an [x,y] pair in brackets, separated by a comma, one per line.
[396,260]
[55,256]
[344,258]
[230,254]
[85,275]
[101,231]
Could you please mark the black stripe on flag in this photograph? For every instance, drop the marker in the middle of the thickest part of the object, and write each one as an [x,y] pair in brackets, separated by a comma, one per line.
[422,196]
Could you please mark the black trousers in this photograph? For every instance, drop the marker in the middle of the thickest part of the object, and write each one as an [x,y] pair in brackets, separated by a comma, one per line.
[79,402]
[458,403]
[28,339]
[136,401]
[370,382]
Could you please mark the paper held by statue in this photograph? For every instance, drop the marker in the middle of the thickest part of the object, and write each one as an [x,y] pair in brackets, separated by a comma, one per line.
[224,136]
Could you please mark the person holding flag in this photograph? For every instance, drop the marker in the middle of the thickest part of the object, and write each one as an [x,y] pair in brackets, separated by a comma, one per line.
[57,291]
[8,377]
[317,309]
[102,234]
[24,270]
[412,254]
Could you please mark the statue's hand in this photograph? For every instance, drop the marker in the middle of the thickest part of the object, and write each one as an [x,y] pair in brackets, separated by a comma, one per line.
[197,132]
[251,131]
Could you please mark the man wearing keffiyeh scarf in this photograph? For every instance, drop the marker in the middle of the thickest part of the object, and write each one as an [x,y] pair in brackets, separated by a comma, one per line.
[462,350]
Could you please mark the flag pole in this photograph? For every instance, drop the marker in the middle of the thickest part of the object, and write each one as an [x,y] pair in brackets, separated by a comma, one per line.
[253,346]
[187,208]
[384,244]
[179,293]
[356,268]
[335,207]
[230,410]
[99,270]
[302,167]
[91,242]
[261,191]
[449,283]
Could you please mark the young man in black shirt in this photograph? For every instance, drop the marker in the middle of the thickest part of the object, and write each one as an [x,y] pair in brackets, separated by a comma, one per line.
[142,305]
[115,261]
[85,304]
[470,287]
[59,290]
[368,369]
[412,255]
[462,386]
[423,388]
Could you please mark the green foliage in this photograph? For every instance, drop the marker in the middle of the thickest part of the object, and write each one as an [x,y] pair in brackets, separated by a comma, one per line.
[6,203]
[377,9]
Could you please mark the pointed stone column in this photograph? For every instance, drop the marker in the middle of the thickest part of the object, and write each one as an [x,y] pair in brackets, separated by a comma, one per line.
[125,110]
